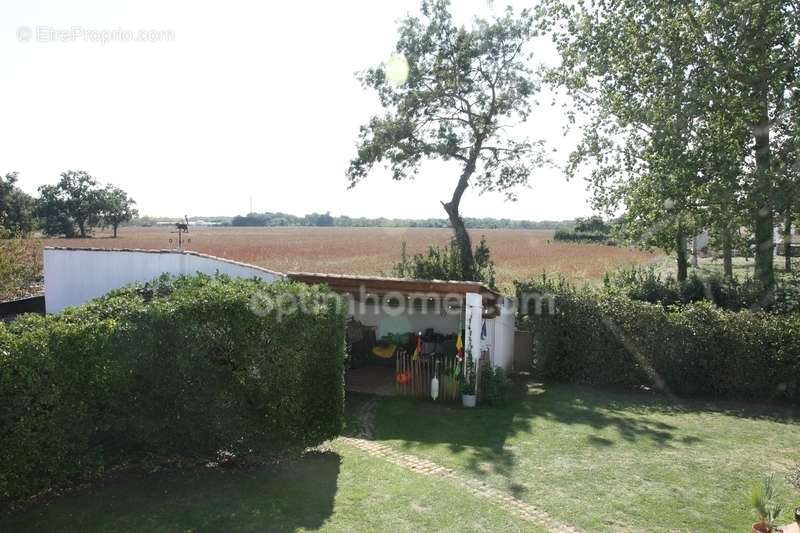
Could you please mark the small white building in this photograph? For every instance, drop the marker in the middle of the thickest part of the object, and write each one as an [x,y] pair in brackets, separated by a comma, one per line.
[383,307]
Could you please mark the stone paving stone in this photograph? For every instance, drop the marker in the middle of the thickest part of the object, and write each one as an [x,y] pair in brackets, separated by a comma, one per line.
[363,441]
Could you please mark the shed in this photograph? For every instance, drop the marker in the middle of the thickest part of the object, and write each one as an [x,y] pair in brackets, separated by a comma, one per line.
[387,312]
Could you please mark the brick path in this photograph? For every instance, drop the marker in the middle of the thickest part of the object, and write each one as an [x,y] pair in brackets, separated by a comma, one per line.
[363,441]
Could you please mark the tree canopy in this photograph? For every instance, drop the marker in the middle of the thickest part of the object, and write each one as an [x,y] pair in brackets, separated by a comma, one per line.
[117,207]
[454,94]
[16,207]
[685,100]
[78,203]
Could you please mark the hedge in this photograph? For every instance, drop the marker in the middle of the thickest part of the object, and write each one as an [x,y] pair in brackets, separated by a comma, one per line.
[183,368]
[695,349]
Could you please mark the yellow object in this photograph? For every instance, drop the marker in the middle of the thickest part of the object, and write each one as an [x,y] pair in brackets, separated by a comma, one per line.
[384,352]
[459,342]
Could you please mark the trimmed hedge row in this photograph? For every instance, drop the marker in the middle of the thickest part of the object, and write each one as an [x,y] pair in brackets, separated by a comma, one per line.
[693,350]
[181,369]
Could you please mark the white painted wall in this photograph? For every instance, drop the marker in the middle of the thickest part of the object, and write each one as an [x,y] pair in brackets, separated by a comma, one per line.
[75,276]
[503,326]
[473,317]
[414,320]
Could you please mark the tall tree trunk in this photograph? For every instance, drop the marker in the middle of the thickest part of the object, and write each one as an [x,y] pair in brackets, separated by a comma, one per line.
[763,200]
[787,239]
[115,230]
[462,240]
[82,228]
[452,209]
[727,253]
[764,217]
[683,264]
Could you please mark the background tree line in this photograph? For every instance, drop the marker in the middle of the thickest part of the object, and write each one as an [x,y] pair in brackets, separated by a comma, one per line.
[72,207]
[326,219]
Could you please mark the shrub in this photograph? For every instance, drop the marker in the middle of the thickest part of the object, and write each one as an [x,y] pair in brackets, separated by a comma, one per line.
[584,237]
[494,384]
[693,349]
[646,285]
[182,368]
[444,263]
[19,265]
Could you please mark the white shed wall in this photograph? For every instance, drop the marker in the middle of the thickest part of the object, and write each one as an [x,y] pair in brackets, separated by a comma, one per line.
[410,320]
[502,336]
[75,276]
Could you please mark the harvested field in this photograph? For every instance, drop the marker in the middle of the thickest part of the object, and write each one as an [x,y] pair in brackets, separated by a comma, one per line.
[517,253]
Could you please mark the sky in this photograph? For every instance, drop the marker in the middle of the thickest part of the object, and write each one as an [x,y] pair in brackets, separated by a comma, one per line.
[224,103]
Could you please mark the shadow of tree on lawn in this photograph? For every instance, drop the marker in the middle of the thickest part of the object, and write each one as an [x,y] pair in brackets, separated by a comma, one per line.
[484,432]
[277,498]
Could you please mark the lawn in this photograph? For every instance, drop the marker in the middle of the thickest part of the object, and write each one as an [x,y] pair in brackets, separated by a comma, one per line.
[609,461]
[600,460]
[338,490]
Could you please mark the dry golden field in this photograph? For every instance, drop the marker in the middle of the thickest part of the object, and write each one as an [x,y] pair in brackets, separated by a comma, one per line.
[517,254]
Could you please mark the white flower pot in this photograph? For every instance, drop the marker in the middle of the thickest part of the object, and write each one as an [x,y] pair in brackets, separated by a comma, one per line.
[468,400]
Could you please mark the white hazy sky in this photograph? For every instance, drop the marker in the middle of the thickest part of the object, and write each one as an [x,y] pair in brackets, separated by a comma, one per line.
[251,99]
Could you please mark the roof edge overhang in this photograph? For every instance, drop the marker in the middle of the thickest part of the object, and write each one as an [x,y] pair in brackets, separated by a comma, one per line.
[356,285]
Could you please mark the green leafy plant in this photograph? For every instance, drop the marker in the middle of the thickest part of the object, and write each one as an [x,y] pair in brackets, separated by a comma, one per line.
[494,384]
[19,265]
[764,501]
[793,477]
[445,263]
[468,377]
[184,368]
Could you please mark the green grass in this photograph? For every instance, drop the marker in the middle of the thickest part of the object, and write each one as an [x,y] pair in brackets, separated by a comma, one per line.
[609,461]
[601,460]
[341,490]
[743,267]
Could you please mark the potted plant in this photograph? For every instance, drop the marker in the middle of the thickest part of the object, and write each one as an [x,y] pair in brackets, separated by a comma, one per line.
[764,500]
[794,479]
[468,383]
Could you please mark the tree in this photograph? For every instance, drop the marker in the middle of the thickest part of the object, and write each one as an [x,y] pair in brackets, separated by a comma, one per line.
[752,50]
[593,224]
[316,219]
[661,73]
[453,94]
[76,201]
[787,168]
[16,207]
[631,68]
[117,207]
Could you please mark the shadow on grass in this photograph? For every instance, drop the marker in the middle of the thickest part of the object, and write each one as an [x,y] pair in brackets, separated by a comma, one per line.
[483,432]
[281,498]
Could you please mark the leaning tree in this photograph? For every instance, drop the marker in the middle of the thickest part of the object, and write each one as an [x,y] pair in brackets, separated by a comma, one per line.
[454,94]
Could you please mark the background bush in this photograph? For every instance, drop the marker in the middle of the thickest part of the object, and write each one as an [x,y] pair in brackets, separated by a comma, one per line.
[694,349]
[583,237]
[182,368]
[734,294]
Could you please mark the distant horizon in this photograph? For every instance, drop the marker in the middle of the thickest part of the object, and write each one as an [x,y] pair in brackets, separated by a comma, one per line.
[354,217]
